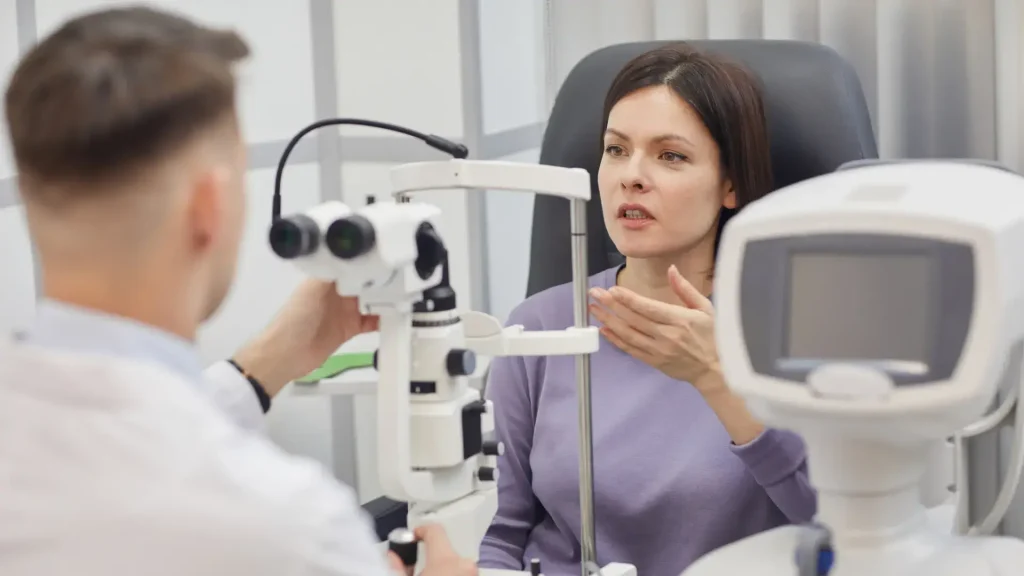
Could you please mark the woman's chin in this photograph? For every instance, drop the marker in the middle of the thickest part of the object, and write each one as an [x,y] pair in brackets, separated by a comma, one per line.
[638,249]
[651,243]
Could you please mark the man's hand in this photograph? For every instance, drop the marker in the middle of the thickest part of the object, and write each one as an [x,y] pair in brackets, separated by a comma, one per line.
[441,558]
[310,327]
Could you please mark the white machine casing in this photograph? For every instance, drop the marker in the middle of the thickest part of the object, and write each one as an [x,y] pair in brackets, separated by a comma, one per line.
[868,443]
[977,205]
[385,274]
[466,509]
[447,438]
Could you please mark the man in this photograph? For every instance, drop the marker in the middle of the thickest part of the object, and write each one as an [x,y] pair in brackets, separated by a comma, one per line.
[117,457]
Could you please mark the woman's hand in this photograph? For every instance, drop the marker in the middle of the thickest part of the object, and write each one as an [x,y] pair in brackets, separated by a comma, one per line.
[679,340]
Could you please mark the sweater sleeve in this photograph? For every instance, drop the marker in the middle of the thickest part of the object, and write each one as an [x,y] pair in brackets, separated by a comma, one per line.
[778,461]
[508,388]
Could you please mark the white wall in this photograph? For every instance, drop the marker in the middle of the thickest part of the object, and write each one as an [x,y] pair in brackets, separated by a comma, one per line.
[277,94]
[17,289]
[514,76]
[8,59]
[509,229]
[512,58]
[399,62]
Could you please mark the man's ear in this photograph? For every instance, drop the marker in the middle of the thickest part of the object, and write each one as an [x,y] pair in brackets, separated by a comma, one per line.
[729,200]
[207,204]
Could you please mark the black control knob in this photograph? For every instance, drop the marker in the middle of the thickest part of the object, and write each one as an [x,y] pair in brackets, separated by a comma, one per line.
[493,448]
[460,362]
[294,236]
[375,359]
[430,250]
[350,237]
[403,543]
[535,567]
[487,474]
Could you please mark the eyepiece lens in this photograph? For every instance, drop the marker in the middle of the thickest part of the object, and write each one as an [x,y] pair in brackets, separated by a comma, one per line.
[351,237]
[294,236]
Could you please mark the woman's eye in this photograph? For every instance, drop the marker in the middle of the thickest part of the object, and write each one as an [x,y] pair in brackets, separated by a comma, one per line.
[613,150]
[672,157]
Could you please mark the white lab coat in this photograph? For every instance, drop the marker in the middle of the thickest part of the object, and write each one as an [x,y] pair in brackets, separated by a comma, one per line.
[233,394]
[119,467]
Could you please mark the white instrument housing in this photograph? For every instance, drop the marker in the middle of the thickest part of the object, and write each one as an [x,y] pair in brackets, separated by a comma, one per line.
[873,311]
[950,233]
[432,427]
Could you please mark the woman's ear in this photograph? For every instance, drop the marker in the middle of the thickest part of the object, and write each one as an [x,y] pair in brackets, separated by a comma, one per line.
[729,200]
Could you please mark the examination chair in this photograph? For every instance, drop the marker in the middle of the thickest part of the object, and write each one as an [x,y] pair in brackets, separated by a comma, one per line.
[818,120]
[817,116]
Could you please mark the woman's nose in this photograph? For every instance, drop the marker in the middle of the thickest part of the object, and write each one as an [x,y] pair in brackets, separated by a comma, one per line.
[633,177]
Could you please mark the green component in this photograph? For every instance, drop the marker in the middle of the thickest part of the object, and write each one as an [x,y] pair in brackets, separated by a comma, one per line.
[337,364]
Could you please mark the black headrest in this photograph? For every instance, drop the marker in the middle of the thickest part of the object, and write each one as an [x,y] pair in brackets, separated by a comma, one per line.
[817,119]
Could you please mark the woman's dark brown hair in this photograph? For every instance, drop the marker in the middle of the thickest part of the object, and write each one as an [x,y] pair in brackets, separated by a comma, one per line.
[726,97]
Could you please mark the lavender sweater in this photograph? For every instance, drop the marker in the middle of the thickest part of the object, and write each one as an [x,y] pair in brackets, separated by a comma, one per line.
[669,486]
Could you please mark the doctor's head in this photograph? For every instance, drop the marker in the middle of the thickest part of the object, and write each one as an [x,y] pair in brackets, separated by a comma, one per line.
[131,163]
[685,145]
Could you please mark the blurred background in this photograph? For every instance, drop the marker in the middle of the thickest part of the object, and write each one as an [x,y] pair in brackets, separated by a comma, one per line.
[942,79]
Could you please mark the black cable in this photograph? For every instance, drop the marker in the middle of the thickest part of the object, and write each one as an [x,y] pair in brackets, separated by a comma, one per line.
[453,149]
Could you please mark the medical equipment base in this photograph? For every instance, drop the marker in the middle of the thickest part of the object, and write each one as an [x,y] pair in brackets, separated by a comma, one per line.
[869,502]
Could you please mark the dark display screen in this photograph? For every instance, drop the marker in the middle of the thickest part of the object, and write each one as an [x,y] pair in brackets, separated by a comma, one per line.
[860,306]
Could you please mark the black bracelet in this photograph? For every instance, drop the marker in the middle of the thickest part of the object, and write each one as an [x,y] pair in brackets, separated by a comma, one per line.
[258,388]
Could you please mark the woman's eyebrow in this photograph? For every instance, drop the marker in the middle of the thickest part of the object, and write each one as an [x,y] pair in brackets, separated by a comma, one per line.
[666,137]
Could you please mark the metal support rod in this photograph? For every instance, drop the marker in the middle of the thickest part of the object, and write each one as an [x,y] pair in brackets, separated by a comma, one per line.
[581,283]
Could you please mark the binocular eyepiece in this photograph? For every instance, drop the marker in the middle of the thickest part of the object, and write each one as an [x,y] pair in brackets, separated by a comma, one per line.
[353,235]
[294,236]
[350,237]
[299,235]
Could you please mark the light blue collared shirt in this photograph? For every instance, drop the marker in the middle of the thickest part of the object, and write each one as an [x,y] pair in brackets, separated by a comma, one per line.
[62,326]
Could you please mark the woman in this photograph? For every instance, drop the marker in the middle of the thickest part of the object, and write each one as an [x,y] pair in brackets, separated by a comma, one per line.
[680,466]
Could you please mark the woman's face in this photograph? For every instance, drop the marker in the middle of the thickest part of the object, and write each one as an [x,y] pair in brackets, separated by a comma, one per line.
[660,182]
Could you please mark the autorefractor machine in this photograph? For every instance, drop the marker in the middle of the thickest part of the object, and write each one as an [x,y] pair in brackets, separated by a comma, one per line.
[876,311]
[433,429]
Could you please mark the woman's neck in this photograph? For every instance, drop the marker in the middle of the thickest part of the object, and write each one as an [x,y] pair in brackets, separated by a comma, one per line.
[648,277]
